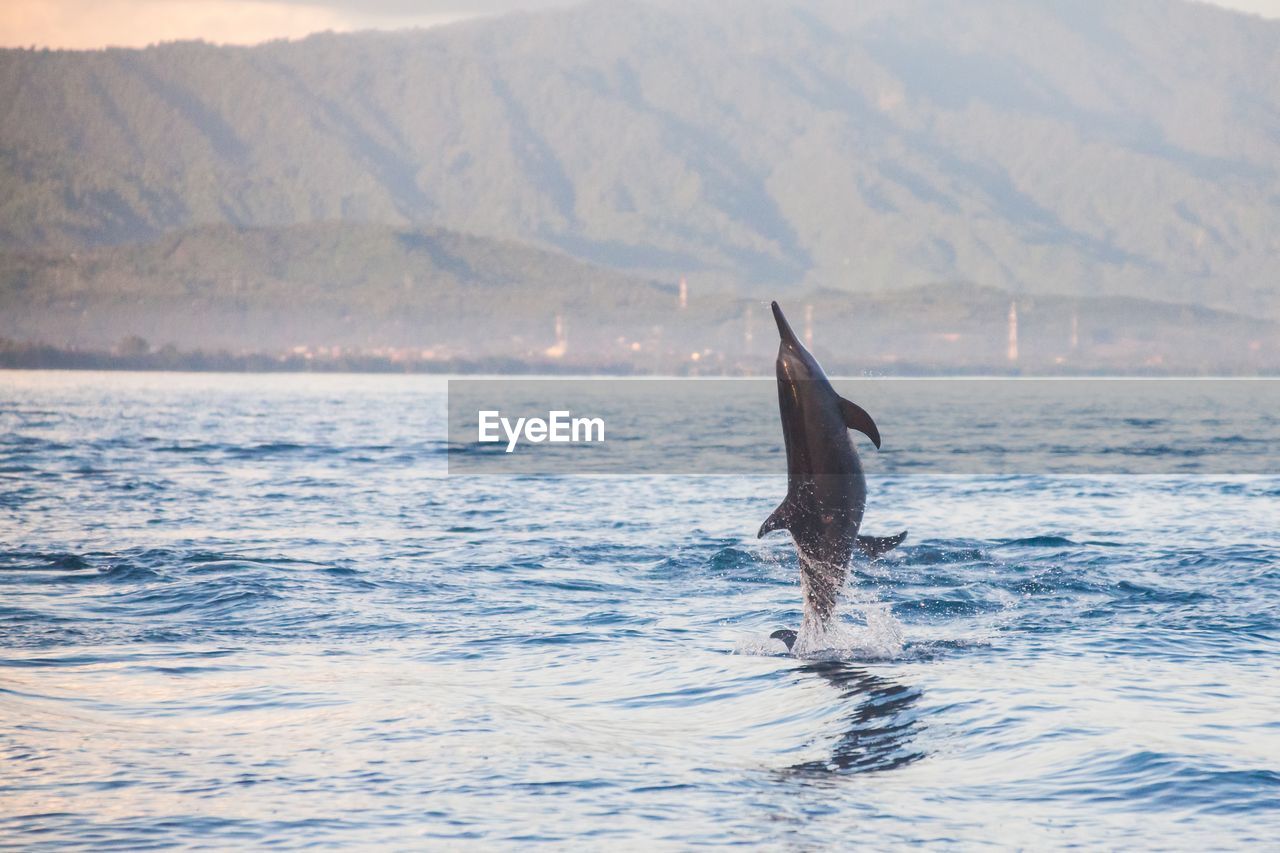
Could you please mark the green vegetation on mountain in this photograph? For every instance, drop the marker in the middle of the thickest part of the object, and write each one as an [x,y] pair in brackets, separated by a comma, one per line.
[1086,148]
[382,297]
[321,284]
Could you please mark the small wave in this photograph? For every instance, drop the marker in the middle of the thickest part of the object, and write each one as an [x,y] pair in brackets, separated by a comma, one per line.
[193,601]
[928,554]
[28,561]
[65,567]
[1171,782]
[962,603]
[188,447]
[731,559]
[123,572]
[268,449]
[1135,592]
[739,565]
[1039,542]
[935,649]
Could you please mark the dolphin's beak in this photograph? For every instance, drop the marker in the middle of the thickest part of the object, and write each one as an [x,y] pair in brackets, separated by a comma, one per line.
[784,328]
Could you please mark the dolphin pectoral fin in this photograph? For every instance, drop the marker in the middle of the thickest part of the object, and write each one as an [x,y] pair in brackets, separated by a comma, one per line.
[856,417]
[780,519]
[874,546]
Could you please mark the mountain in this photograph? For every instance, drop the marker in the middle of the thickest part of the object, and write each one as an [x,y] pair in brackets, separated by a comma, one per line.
[330,284]
[1080,147]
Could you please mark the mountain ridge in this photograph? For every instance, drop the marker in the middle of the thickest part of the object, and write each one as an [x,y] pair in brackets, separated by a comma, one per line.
[1103,149]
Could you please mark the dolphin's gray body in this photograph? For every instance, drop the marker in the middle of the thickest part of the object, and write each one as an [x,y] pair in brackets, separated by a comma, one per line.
[826,489]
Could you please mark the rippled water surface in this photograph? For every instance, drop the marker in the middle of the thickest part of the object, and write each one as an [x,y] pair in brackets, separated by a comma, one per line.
[252,610]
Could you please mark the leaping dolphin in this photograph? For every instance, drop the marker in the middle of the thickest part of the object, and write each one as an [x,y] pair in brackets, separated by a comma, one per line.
[826,489]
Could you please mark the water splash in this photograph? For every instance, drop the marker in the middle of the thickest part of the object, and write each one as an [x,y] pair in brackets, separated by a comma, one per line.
[880,636]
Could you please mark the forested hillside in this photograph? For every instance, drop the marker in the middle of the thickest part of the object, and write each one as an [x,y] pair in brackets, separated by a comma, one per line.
[1039,146]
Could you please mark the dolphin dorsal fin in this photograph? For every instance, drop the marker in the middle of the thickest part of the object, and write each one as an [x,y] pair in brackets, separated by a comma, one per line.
[779,519]
[856,417]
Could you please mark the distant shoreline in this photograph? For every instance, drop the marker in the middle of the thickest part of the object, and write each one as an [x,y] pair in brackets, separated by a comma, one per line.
[263,364]
[135,354]
[268,363]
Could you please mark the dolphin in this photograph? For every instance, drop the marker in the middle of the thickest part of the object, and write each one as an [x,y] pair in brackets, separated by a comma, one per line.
[826,489]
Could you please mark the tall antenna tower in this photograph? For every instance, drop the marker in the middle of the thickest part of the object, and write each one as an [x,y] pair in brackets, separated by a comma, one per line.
[561,346]
[1013,331]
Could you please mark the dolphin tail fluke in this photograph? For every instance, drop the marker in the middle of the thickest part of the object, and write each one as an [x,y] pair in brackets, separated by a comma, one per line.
[780,519]
[786,635]
[874,546]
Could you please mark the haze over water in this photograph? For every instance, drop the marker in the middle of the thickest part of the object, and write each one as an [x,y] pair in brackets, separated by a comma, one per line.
[252,610]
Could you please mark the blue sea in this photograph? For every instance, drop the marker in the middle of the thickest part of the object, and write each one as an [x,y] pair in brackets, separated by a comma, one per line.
[257,611]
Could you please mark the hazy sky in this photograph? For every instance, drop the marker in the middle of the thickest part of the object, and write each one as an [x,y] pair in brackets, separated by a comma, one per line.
[95,23]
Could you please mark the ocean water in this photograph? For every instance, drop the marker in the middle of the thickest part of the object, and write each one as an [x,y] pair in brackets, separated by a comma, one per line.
[256,611]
